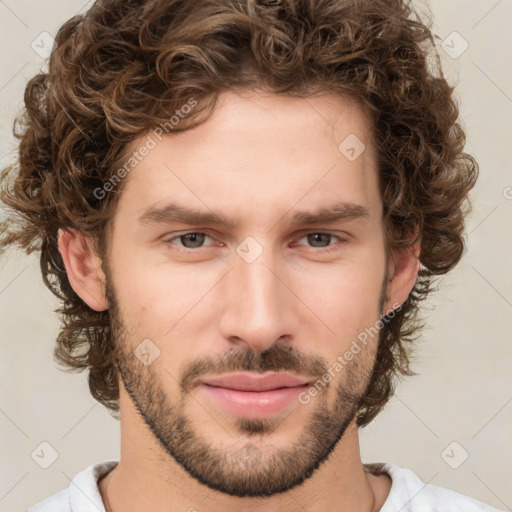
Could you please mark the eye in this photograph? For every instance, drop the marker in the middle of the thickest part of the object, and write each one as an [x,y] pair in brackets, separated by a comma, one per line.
[190,240]
[321,240]
[196,239]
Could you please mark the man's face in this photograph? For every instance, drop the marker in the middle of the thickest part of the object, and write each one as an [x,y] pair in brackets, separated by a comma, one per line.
[272,293]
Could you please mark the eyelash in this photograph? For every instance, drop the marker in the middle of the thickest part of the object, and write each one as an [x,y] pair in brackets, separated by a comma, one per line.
[168,242]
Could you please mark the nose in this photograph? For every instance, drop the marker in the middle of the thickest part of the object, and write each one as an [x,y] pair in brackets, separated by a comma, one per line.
[258,309]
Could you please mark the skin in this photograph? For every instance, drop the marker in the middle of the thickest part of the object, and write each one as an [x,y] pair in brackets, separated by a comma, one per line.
[256,161]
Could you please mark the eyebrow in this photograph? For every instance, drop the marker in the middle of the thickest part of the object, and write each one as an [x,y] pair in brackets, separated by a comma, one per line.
[175,212]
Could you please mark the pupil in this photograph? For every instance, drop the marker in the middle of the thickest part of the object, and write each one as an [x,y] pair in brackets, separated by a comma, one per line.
[195,238]
[315,236]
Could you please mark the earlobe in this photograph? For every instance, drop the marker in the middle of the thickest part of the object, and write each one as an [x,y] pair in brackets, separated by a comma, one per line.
[83,267]
[403,275]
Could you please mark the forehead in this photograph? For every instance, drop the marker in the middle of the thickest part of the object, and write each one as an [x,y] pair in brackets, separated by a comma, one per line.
[260,117]
[260,150]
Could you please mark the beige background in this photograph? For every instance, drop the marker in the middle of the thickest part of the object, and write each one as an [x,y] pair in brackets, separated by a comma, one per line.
[463,393]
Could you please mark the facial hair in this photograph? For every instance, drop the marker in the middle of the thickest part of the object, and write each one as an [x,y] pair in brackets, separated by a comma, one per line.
[252,466]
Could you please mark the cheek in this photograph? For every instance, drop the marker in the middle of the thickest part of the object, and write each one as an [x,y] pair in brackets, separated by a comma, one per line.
[163,302]
[345,297]
[145,286]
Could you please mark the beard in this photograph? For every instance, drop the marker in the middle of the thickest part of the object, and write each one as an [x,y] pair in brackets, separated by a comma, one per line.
[251,465]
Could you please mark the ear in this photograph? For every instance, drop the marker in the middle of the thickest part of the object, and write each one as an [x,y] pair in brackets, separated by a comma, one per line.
[403,273]
[83,267]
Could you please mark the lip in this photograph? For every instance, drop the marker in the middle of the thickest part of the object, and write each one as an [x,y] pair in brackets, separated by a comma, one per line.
[255,381]
[254,396]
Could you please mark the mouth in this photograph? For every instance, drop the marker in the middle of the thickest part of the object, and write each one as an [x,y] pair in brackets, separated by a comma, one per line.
[254,395]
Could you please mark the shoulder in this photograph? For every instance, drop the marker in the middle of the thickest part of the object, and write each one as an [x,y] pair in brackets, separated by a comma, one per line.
[57,502]
[410,494]
[81,493]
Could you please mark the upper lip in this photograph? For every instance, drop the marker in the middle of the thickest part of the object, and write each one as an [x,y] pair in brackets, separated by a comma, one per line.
[255,381]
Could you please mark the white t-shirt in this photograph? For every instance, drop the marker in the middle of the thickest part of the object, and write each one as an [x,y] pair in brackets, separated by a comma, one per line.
[408,493]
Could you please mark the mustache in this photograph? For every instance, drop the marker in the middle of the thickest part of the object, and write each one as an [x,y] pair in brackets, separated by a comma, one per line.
[276,358]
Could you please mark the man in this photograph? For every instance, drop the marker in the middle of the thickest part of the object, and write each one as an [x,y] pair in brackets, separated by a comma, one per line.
[241,206]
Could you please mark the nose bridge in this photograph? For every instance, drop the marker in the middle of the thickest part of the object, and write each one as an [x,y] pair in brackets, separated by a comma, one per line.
[259,285]
[258,306]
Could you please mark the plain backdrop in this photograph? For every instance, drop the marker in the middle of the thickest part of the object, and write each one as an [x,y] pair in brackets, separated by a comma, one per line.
[451,424]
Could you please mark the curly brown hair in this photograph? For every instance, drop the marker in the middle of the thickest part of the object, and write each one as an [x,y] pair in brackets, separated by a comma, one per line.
[124,67]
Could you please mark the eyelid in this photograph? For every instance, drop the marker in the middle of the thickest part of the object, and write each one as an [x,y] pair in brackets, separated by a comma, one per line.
[167,239]
[338,234]
[331,247]
[342,239]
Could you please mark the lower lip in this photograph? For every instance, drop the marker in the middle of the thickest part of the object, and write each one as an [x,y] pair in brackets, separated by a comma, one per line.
[253,404]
